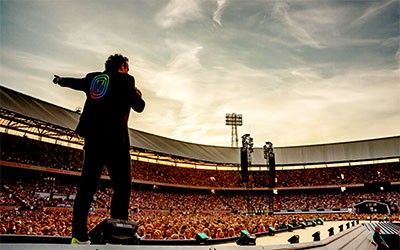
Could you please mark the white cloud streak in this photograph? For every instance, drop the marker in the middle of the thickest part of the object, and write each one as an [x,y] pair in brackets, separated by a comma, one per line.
[372,12]
[178,12]
[219,12]
[296,29]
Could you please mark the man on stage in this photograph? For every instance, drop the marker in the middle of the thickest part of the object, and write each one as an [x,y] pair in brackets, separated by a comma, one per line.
[104,124]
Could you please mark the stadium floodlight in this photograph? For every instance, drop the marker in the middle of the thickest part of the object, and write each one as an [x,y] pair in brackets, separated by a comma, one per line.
[234,120]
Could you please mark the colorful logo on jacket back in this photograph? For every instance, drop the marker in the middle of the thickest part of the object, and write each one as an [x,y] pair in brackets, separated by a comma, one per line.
[99,86]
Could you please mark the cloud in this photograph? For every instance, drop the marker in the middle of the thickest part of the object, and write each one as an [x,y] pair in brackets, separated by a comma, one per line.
[41,87]
[281,104]
[94,43]
[178,79]
[296,29]
[294,69]
[391,42]
[41,63]
[219,12]
[398,58]
[372,12]
[177,12]
[394,44]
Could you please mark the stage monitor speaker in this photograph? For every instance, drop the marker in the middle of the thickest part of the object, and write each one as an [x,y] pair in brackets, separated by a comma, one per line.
[114,231]
[201,238]
[294,239]
[246,239]
[331,231]
[317,236]
[271,231]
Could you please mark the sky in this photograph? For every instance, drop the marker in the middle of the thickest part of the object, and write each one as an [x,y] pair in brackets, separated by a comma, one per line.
[300,72]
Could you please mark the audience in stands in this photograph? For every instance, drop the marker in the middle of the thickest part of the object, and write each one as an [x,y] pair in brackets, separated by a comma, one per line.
[34,194]
[37,153]
[173,215]
[38,207]
[163,225]
[15,148]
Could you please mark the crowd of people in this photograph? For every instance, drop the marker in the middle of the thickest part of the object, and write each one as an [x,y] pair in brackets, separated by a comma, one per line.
[43,154]
[185,176]
[34,194]
[15,148]
[163,214]
[40,206]
[164,225]
[7,199]
[41,222]
[339,175]
[285,178]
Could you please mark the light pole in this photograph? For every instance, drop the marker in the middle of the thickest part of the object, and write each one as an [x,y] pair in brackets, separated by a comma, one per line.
[234,120]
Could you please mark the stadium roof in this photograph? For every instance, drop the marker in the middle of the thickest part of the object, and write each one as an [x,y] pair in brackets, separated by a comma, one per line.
[382,148]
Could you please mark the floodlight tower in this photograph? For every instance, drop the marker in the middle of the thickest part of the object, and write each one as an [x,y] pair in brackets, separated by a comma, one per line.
[234,120]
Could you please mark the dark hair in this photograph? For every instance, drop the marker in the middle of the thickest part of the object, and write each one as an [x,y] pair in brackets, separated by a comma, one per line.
[115,61]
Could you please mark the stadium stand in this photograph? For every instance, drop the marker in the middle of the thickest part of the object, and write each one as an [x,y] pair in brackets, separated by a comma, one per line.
[39,180]
[48,155]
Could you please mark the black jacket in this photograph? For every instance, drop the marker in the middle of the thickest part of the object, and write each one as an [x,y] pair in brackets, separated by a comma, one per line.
[109,98]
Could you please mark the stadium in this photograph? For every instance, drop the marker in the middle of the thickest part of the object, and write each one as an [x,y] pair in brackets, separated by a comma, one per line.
[146,163]
[193,194]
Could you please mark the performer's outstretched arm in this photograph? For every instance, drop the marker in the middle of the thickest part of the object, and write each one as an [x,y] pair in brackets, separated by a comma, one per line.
[73,83]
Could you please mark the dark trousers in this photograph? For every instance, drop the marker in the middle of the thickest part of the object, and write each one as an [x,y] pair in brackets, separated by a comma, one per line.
[115,156]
